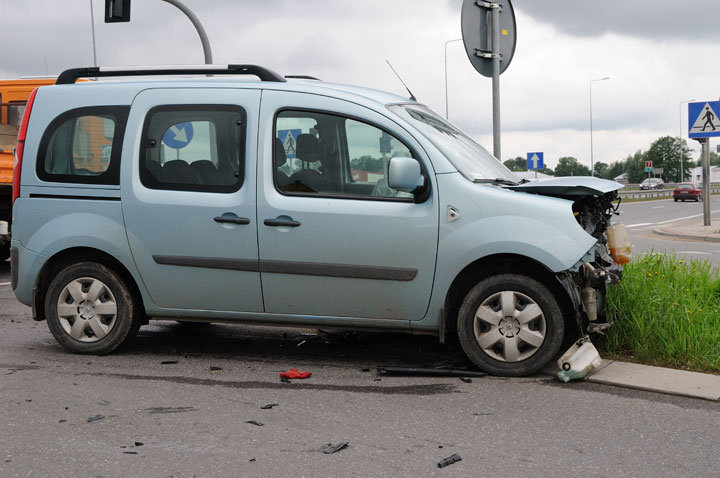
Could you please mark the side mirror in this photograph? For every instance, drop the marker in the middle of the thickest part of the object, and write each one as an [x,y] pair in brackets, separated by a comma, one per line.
[404,174]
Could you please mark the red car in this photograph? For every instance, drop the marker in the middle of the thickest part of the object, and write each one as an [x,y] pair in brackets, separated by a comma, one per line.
[685,191]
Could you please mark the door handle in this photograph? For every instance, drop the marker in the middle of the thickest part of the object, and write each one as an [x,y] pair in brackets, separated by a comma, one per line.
[281,222]
[231,220]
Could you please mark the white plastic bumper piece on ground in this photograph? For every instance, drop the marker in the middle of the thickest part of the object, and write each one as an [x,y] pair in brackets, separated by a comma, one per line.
[579,361]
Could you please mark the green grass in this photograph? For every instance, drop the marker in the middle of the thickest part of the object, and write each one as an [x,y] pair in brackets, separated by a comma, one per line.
[666,312]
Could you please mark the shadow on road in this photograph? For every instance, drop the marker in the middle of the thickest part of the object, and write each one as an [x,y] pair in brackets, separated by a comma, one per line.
[292,346]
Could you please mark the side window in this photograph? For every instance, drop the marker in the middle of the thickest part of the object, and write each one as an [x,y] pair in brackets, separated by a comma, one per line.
[370,150]
[328,154]
[193,148]
[83,146]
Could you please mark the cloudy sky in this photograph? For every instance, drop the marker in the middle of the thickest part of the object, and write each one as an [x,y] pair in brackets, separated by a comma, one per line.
[657,54]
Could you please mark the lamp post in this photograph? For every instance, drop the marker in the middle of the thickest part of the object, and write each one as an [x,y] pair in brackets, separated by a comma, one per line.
[682,176]
[446,78]
[592,163]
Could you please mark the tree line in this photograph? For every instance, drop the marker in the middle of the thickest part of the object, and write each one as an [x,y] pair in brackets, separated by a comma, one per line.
[667,152]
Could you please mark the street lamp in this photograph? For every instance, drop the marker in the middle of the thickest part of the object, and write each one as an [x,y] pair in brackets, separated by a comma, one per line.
[446,78]
[592,164]
[682,176]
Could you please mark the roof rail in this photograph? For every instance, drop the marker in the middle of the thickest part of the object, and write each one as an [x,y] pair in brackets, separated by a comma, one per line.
[69,77]
[302,77]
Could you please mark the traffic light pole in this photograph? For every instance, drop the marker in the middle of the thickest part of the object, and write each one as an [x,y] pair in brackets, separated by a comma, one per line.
[198,26]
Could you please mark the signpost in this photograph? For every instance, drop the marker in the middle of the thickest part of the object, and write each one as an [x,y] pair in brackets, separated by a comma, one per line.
[703,124]
[489,35]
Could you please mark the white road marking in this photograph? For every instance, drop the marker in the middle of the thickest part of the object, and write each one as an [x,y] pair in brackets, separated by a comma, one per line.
[641,224]
[693,252]
[657,207]
[4,283]
[686,217]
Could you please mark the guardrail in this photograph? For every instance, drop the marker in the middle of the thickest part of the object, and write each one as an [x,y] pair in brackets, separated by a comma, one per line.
[655,193]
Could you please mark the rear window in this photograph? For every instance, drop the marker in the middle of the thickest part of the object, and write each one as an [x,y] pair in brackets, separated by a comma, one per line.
[83,146]
[686,186]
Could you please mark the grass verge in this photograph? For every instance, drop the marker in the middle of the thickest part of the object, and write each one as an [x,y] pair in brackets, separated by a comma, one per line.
[666,312]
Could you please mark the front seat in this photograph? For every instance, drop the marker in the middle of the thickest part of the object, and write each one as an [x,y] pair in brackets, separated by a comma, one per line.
[309,180]
[282,180]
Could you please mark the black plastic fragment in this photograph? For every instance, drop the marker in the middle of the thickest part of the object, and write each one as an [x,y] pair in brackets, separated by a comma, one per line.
[215,369]
[95,418]
[430,372]
[269,406]
[465,379]
[139,443]
[255,422]
[168,362]
[449,460]
[130,452]
[330,448]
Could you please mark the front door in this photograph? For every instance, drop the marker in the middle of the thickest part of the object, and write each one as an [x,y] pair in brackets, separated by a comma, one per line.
[334,239]
[189,198]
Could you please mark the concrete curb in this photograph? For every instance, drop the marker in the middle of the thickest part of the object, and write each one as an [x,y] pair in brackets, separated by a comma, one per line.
[692,237]
[653,379]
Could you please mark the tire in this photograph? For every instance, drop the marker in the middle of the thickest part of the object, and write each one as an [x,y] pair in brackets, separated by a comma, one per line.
[675,199]
[85,301]
[4,253]
[509,348]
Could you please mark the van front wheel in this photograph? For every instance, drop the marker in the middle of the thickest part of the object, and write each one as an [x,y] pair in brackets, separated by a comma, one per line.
[90,309]
[510,325]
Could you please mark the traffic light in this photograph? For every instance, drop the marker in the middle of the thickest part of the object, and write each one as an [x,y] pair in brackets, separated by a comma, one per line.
[117,11]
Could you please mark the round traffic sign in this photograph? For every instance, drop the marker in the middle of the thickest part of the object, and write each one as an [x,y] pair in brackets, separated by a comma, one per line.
[477,33]
[178,136]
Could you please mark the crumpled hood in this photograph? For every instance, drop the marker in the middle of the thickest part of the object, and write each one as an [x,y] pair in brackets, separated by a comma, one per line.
[569,186]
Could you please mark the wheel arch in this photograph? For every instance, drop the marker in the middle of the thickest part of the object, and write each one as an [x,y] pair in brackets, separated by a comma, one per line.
[501,264]
[75,255]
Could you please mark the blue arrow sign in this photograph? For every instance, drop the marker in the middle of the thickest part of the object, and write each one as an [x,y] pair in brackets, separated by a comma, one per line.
[703,120]
[178,136]
[535,160]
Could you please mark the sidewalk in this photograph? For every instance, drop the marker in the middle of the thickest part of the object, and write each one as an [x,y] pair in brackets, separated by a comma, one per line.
[691,230]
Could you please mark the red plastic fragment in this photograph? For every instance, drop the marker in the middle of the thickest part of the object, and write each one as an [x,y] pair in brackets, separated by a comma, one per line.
[294,373]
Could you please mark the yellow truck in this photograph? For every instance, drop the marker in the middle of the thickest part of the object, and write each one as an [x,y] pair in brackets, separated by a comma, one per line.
[13,97]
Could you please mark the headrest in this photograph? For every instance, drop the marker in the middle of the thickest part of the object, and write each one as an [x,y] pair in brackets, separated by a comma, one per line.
[280,157]
[308,148]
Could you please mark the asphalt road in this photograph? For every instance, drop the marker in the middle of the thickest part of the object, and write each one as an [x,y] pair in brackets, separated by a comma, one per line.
[642,217]
[183,419]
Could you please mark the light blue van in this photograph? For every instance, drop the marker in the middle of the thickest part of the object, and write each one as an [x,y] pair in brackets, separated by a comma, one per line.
[297,202]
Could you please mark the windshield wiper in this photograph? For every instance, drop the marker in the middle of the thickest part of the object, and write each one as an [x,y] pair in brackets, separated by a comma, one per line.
[495,181]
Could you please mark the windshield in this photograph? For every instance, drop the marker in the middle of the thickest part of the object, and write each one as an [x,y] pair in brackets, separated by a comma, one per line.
[469,158]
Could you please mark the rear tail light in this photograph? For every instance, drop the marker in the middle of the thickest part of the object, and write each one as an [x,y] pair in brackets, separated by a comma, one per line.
[19,149]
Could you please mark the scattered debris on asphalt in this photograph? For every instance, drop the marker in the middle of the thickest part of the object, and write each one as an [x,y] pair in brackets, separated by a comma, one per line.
[251,460]
[269,406]
[295,373]
[130,452]
[429,372]
[365,369]
[168,362]
[255,422]
[465,379]
[449,460]
[284,380]
[330,448]
[139,443]
[215,369]
[62,420]
[170,409]
[95,418]
[482,414]
[377,380]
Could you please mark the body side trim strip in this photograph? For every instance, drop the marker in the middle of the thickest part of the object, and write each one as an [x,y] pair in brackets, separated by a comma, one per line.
[349,271]
[65,196]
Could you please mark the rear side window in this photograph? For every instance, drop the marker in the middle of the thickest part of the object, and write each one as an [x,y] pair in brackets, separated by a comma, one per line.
[193,148]
[83,146]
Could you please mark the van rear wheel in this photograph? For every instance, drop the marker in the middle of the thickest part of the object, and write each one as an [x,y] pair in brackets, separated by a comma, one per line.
[510,325]
[90,309]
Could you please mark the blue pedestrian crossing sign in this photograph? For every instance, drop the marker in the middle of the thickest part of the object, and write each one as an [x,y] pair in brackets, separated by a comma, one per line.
[289,140]
[178,136]
[703,120]
[535,161]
